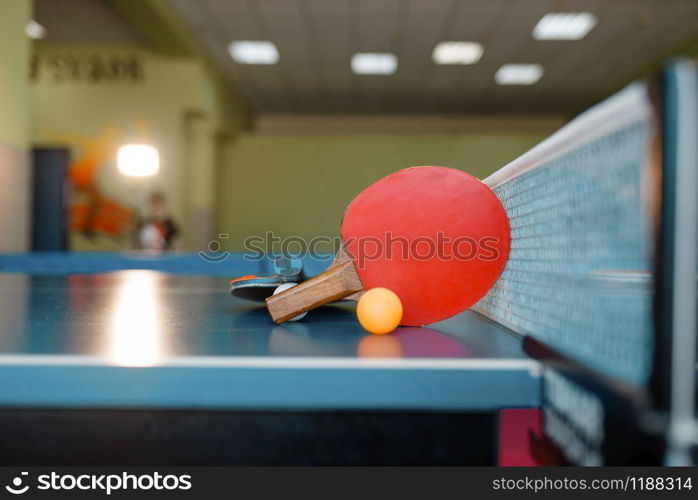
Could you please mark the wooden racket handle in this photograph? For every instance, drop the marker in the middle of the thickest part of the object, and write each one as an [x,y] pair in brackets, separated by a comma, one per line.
[338,281]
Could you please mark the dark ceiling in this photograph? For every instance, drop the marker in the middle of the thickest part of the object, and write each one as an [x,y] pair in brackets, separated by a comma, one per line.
[316,39]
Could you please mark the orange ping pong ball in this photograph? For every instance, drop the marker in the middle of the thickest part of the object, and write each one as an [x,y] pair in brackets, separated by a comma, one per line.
[379,310]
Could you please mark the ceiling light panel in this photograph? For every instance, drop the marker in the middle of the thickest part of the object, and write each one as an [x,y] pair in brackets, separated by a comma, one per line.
[564,26]
[253,52]
[519,74]
[34,30]
[457,53]
[373,63]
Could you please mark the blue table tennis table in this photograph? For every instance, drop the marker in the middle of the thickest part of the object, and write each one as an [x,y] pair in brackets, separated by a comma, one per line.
[154,366]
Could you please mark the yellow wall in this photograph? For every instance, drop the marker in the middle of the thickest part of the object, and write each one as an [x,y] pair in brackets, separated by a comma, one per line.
[76,112]
[300,185]
[14,57]
[14,131]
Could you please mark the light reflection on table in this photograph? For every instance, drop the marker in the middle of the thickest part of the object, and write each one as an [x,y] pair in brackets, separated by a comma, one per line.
[136,334]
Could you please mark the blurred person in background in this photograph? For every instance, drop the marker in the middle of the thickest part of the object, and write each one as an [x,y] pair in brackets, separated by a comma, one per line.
[157,230]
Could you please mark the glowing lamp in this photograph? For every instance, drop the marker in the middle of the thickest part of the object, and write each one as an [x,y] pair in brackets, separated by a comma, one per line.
[138,160]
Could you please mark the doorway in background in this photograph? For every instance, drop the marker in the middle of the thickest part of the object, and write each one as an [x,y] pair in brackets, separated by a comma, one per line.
[50,198]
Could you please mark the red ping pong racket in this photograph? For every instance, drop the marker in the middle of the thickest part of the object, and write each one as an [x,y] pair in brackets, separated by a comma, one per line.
[437,237]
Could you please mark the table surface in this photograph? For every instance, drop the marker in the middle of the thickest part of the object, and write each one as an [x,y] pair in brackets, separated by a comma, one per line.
[147,339]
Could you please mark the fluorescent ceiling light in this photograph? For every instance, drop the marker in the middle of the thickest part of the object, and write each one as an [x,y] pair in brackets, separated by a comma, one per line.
[518,74]
[564,26]
[34,30]
[253,52]
[457,53]
[373,63]
[138,160]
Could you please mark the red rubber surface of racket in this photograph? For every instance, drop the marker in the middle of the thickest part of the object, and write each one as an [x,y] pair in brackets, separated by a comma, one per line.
[441,216]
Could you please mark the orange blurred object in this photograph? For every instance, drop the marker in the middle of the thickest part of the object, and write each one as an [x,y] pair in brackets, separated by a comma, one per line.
[379,310]
[379,346]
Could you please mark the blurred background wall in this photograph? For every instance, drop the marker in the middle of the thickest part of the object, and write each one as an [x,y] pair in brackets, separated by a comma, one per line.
[14,126]
[246,148]
[170,102]
[299,185]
